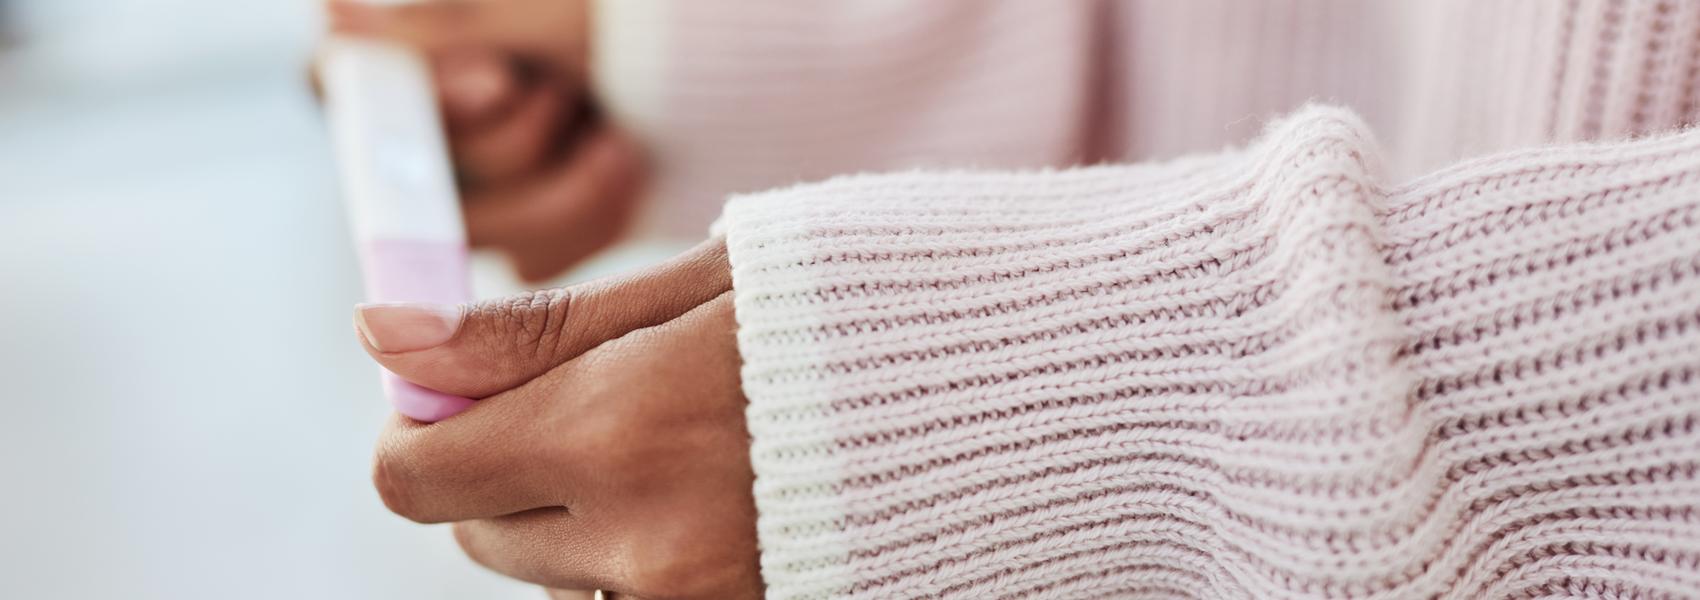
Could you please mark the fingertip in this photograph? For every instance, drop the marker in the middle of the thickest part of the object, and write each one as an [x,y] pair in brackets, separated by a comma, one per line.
[516,139]
[474,84]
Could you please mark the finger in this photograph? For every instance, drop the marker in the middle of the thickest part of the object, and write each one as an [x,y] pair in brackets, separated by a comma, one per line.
[623,535]
[549,224]
[531,28]
[545,443]
[518,140]
[555,594]
[475,86]
[550,547]
[498,465]
[605,164]
[480,349]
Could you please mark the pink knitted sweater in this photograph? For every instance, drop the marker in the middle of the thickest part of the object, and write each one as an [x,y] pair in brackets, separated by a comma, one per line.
[1291,369]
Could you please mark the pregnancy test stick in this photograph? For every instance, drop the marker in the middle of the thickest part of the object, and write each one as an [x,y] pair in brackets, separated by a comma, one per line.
[399,189]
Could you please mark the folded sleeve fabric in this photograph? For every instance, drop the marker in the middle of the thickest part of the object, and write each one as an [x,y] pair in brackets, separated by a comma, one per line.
[1266,372]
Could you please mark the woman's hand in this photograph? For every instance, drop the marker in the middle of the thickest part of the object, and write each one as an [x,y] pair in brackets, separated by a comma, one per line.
[609,451]
[545,179]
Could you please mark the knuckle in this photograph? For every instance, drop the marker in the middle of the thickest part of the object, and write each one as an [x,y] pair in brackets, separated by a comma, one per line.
[397,475]
[532,322]
[391,489]
[466,536]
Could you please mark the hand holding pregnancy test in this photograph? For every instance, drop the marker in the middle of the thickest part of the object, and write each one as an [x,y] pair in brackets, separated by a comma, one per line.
[608,450]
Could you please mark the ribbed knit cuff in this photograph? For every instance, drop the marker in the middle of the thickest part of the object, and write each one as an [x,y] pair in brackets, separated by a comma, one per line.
[1256,374]
[918,347]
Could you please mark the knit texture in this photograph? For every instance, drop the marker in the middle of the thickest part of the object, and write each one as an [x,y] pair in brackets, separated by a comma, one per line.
[738,96]
[1263,373]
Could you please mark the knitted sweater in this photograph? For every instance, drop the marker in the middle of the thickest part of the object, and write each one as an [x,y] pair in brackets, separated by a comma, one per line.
[737,96]
[1259,374]
[1310,367]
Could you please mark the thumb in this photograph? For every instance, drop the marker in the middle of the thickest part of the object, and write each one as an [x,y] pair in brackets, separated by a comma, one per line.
[480,349]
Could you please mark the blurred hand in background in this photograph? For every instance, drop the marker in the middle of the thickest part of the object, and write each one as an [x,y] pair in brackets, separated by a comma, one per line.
[544,178]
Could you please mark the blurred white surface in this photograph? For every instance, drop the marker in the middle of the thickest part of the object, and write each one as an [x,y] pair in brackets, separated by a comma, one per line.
[187,414]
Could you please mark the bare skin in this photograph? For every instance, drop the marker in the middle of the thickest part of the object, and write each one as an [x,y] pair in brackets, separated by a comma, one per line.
[546,180]
[609,450]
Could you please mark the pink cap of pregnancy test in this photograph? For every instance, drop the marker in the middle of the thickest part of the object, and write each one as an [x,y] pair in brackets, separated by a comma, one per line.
[422,403]
[417,271]
[399,188]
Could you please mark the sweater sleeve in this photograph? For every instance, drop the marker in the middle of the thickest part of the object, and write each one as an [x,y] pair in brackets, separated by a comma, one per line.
[1261,373]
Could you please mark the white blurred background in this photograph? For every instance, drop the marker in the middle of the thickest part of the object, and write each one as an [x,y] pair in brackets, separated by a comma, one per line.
[186,413]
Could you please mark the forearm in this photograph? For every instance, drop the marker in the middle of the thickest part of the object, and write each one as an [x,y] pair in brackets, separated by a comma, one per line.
[1253,374]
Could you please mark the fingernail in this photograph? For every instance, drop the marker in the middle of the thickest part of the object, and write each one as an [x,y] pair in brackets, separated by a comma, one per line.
[406,326]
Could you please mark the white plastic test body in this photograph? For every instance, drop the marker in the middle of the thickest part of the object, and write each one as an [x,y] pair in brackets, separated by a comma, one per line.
[399,188]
